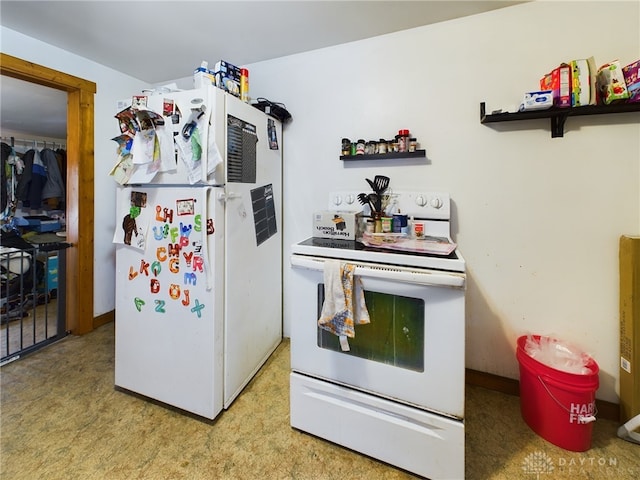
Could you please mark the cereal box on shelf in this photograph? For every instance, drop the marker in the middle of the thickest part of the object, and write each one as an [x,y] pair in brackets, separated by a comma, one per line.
[559,81]
[632,79]
[611,83]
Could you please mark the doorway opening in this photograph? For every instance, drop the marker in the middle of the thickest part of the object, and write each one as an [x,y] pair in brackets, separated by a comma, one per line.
[80,190]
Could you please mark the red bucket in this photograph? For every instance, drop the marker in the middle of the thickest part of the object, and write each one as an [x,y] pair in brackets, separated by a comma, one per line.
[559,406]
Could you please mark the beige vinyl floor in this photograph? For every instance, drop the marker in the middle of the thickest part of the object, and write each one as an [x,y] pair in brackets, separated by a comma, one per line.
[62,418]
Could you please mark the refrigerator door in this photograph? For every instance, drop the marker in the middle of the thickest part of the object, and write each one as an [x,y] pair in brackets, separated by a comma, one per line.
[253,243]
[169,300]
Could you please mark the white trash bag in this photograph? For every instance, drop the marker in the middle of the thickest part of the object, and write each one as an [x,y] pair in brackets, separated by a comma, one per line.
[559,355]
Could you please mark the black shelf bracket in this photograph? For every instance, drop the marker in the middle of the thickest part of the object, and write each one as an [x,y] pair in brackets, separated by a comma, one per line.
[557,126]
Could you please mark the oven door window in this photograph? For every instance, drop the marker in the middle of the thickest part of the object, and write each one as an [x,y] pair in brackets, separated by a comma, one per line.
[395,335]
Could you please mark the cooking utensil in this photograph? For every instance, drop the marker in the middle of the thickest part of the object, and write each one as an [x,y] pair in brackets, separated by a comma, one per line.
[381,184]
[363,198]
[376,201]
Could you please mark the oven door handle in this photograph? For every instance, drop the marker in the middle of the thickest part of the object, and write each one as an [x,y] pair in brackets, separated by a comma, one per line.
[398,274]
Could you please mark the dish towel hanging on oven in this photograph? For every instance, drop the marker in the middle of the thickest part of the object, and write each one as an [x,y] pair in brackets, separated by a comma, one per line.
[344,306]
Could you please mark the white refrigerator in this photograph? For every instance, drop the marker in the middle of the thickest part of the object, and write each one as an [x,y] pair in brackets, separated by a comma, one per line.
[198,249]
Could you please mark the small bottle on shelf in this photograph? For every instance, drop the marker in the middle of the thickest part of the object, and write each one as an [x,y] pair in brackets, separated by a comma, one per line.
[403,140]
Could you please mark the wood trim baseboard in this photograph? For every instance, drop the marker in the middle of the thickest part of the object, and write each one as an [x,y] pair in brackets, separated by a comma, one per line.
[490,381]
[510,386]
[608,410]
[104,319]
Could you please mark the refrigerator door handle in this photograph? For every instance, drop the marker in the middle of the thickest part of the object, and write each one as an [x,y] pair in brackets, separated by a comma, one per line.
[205,240]
[223,197]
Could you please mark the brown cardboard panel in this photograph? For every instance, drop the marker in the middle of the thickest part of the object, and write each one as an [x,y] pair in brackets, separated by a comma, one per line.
[629,327]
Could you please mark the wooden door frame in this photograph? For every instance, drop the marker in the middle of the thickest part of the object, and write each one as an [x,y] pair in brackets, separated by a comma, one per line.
[80,177]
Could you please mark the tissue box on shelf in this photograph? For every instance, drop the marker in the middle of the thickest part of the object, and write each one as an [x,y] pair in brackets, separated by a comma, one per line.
[537,100]
[332,224]
[559,81]
[632,79]
[611,83]
[228,77]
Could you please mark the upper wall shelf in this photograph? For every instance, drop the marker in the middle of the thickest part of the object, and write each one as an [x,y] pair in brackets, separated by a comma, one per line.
[558,115]
[382,156]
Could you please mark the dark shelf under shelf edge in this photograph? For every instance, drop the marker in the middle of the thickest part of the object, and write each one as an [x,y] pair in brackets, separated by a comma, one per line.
[558,115]
[382,156]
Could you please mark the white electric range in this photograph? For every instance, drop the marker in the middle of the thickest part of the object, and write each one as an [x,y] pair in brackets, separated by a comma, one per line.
[397,394]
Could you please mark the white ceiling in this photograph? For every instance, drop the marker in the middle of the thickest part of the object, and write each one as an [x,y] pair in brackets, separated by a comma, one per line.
[157,41]
[27,108]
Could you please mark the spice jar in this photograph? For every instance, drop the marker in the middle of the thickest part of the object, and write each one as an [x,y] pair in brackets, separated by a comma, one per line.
[377,222]
[360,147]
[369,148]
[346,146]
[382,146]
[370,226]
[413,144]
[403,140]
[387,223]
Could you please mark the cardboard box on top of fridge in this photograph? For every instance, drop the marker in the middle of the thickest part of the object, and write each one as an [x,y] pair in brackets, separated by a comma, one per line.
[629,327]
[632,79]
[202,76]
[335,224]
[611,83]
[227,77]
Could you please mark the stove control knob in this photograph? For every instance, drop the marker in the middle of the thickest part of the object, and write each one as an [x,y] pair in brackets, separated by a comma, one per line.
[421,201]
[436,202]
[350,199]
[337,200]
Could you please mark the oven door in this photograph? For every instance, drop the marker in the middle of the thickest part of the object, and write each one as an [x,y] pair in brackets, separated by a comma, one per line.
[413,349]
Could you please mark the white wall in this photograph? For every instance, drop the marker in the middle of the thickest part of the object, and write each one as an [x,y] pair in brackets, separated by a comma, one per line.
[537,218]
[111,86]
